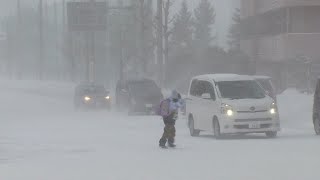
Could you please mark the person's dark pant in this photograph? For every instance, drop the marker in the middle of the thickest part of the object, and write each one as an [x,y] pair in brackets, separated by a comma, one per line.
[169,133]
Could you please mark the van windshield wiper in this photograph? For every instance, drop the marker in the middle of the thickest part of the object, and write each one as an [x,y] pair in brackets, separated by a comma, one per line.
[233,98]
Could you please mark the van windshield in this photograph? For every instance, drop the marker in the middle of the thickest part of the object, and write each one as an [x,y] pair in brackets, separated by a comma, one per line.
[241,90]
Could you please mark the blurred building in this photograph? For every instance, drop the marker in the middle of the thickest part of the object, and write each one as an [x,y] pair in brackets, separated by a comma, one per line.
[282,38]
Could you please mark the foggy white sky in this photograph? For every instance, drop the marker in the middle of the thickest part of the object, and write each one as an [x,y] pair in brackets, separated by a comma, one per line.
[224,10]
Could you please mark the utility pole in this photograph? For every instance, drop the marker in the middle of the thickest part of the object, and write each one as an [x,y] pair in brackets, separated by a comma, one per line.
[160,41]
[121,37]
[41,44]
[121,43]
[92,53]
[88,54]
[166,37]
[58,71]
[63,35]
[9,50]
[142,37]
[63,16]
[68,45]
[17,63]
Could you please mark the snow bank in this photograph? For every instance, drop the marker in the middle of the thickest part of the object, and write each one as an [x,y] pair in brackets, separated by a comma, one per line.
[50,89]
[295,110]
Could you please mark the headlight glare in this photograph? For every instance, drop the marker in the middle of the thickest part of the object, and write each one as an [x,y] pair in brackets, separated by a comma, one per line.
[229,112]
[227,109]
[273,111]
[107,97]
[273,108]
[87,98]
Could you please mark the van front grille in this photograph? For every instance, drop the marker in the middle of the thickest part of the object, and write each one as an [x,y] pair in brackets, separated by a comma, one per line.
[252,111]
[246,126]
[253,120]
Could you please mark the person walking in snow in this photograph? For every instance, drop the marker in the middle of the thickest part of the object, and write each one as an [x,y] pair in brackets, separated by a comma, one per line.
[171,105]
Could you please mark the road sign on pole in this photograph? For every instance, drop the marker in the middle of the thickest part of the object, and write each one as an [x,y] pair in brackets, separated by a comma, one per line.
[87,16]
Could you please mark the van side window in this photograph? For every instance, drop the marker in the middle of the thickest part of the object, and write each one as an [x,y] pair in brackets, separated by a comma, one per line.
[198,88]
[208,89]
[194,88]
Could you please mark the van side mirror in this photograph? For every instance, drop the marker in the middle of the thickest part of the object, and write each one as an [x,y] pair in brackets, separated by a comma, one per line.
[206,96]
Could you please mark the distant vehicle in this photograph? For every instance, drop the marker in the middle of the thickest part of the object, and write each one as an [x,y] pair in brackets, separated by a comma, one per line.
[138,96]
[230,104]
[316,109]
[266,83]
[91,96]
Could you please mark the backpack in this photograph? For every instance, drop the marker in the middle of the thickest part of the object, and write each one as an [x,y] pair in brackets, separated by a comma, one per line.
[164,108]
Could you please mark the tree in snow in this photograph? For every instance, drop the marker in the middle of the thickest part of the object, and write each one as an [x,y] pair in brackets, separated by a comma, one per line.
[182,28]
[234,32]
[204,20]
[181,48]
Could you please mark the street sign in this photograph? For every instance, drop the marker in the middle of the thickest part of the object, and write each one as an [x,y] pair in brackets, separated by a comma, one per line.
[87,16]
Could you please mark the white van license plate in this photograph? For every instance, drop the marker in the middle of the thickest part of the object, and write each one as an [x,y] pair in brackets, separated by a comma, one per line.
[254,126]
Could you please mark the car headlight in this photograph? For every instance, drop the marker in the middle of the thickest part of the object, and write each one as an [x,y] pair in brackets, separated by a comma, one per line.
[230,112]
[227,109]
[107,97]
[273,108]
[87,98]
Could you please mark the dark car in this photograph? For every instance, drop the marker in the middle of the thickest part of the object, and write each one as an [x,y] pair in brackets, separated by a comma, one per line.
[138,96]
[316,109]
[267,85]
[91,96]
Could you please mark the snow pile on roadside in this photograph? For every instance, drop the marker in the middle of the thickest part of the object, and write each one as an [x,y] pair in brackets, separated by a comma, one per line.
[295,110]
[50,89]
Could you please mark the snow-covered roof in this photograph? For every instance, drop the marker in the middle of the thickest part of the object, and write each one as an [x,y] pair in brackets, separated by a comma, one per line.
[225,77]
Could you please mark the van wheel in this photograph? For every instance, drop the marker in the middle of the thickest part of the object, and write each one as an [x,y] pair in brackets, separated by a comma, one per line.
[271,134]
[316,124]
[193,132]
[216,129]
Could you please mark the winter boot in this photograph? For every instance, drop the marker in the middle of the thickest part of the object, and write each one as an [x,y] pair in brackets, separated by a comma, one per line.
[172,145]
[162,143]
[163,146]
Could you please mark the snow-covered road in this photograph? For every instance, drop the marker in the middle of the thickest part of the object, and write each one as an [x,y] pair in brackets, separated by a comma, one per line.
[42,138]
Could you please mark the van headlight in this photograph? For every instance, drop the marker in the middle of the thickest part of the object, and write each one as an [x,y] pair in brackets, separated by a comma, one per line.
[273,111]
[87,98]
[107,97]
[227,110]
[273,108]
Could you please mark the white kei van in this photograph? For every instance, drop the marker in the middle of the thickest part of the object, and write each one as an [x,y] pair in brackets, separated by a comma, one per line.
[230,104]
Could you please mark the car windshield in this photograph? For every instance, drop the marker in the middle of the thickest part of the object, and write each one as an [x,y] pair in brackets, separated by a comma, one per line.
[143,88]
[94,90]
[240,90]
